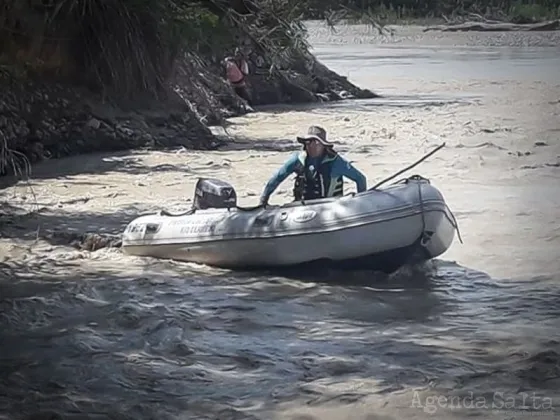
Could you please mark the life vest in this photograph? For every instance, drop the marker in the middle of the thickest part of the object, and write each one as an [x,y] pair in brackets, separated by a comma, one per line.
[316,183]
[234,73]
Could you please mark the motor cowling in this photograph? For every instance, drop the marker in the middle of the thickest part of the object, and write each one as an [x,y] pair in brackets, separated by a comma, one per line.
[212,193]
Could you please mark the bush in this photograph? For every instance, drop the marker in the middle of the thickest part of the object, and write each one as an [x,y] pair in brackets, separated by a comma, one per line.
[130,45]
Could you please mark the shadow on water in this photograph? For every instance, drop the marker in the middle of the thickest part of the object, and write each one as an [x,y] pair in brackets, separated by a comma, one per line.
[409,276]
[130,162]
[177,339]
[93,163]
[371,105]
[57,226]
[211,345]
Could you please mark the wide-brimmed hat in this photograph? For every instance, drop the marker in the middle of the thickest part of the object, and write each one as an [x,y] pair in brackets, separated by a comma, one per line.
[315,133]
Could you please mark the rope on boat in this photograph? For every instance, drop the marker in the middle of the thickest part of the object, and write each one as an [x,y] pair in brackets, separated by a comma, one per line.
[424,238]
[455,224]
[453,220]
[419,161]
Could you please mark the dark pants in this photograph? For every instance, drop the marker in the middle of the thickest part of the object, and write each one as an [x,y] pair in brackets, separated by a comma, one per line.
[243,92]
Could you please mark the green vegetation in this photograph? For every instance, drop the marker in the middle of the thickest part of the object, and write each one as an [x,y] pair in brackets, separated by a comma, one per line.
[130,46]
[124,48]
[393,11]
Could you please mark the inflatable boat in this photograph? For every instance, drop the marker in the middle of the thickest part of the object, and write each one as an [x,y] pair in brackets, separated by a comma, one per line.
[382,229]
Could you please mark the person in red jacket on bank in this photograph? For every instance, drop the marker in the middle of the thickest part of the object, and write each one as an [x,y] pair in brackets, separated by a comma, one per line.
[237,69]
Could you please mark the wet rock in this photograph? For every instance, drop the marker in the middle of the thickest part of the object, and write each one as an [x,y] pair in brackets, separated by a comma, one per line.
[94,241]
[94,123]
[85,241]
[519,153]
[495,130]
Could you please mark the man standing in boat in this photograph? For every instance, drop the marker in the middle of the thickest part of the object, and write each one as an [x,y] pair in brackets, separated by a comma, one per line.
[319,170]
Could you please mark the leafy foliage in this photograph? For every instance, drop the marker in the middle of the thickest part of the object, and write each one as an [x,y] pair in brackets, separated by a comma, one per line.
[131,45]
[521,9]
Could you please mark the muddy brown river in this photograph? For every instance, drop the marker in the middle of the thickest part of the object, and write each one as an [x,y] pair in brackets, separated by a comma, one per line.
[475,334]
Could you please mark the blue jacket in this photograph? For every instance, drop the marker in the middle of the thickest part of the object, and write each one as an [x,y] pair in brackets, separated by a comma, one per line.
[340,168]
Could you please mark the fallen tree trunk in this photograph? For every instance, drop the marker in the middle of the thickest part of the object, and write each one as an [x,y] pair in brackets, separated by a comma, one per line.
[553,25]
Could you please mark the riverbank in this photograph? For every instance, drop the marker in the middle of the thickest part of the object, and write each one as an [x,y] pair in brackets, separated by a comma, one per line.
[64,92]
[47,120]
[42,119]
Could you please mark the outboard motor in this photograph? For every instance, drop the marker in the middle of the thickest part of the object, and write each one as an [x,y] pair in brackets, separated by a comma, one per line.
[212,193]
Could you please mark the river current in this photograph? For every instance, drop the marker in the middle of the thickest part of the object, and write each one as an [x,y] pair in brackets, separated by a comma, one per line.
[475,334]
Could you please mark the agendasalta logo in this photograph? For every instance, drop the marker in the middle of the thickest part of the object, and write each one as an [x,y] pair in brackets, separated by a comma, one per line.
[529,404]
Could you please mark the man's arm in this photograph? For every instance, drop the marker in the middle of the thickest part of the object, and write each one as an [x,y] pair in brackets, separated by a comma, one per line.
[281,174]
[346,169]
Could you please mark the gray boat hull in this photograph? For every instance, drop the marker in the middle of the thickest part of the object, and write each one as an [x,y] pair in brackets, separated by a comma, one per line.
[381,229]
